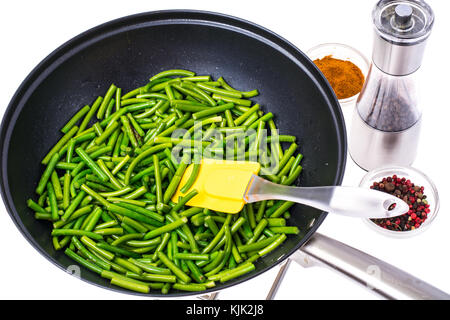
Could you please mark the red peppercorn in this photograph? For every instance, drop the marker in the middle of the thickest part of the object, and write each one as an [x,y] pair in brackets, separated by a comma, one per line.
[410,193]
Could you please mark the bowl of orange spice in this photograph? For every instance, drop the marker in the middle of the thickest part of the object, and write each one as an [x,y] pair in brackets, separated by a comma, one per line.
[344,67]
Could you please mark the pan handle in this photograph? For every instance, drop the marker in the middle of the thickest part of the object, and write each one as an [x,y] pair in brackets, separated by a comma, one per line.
[379,276]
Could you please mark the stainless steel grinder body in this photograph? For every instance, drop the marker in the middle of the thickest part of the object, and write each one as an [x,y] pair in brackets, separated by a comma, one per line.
[387,118]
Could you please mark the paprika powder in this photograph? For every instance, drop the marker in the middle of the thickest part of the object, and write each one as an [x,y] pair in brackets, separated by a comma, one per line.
[345,77]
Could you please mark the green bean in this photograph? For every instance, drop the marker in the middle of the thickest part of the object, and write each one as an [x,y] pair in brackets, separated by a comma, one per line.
[217,238]
[189,287]
[200,93]
[285,230]
[73,206]
[89,255]
[59,145]
[227,252]
[261,210]
[143,211]
[258,230]
[247,94]
[162,245]
[144,243]
[93,246]
[256,245]
[130,94]
[98,129]
[285,170]
[107,133]
[212,110]
[135,125]
[119,250]
[109,231]
[110,176]
[159,194]
[151,268]
[120,165]
[130,285]
[70,150]
[66,166]
[244,269]
[75,118]
[91,164]
[111,274]
[278,241]
[192,177]
[127,237]
[129,213]
[196,273]
[191,256]
[91,266]
[130,228]
[265,117]
[109,109]
[129,132]
[166,228]
[282,209]
[173,185]
[154,277]
[135,104]
[227,93]
[172,73]
[237,101]
[251,119]
[114,117]
[142,156]
[47,173]
[241,119]
[175,270]
[90,114]
[187,106]
[71,232]
[276,222]
[78,213]
[118,98]
[197,78]
[117,193]
[292,177]
[105,102]
[107,224]
[96,214]
[53,202]
[296,163]
[34,206]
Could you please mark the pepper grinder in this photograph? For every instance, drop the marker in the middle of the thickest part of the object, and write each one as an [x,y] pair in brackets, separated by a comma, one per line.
[387,118]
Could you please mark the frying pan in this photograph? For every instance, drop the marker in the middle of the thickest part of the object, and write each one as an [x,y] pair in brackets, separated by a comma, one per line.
[127,51]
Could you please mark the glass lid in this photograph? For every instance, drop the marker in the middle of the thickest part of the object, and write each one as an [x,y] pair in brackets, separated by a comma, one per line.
[403,21]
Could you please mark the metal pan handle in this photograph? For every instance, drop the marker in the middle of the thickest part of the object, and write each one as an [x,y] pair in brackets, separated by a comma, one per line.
[379,276]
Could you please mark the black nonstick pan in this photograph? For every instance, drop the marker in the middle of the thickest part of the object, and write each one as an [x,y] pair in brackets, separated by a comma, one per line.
[127,51]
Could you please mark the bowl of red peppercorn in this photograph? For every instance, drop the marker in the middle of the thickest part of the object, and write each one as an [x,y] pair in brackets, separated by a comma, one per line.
[413,187]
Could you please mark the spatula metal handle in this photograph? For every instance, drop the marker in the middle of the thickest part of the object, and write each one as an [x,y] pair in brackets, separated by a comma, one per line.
[348,201]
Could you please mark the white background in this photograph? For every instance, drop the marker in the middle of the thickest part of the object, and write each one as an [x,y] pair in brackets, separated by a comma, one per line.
[30,30]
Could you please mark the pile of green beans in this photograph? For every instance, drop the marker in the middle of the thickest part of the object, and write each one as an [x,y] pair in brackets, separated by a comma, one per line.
[108,182]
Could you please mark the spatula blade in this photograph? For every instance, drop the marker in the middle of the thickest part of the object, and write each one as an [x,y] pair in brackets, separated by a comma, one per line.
[220,184]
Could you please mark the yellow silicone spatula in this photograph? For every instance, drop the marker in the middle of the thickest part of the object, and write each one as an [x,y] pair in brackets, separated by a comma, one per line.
[226,186]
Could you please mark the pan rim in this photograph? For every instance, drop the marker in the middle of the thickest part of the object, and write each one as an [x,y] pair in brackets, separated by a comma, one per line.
[132,21]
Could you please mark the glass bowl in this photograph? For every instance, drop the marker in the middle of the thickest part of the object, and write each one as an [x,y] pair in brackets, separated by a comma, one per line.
[342,52]
[418,178]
